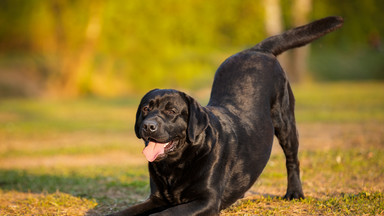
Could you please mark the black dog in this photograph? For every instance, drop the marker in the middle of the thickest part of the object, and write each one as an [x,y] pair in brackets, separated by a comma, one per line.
[203,159]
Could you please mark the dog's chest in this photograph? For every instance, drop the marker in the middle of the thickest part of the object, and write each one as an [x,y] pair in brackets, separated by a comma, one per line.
[170,184]
[173,191]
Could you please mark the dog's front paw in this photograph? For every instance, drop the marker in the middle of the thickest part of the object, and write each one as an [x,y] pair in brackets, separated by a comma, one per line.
[290,195]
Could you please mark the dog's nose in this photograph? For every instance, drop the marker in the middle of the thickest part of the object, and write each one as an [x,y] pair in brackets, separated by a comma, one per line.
[150,126]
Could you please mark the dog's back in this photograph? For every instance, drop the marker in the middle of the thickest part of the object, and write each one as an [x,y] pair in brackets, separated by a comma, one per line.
[246,72]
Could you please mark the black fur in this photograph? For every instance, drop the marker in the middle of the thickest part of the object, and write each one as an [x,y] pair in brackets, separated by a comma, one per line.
[219,151]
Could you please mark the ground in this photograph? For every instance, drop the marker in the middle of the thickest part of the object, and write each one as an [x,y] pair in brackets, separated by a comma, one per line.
[80,157]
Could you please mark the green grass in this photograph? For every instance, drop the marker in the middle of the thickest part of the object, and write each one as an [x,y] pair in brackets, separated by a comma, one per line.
[34,117]
[81,157]
[340,102]
[336,182]
[328,102]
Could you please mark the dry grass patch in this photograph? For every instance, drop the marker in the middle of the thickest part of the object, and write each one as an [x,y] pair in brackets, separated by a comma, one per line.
[364,203]
[19,203]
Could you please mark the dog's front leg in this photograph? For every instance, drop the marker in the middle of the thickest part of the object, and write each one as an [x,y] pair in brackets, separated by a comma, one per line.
[197,207]
[151,205]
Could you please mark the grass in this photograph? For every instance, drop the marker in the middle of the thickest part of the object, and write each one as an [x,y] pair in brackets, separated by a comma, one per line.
[363,203]
[340,102]
[336,182]
[16,203]
[81,157]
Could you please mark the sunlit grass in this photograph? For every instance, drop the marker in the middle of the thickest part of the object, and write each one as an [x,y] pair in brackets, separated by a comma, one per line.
[335,182]
[79,149]
[363,203]
[63,190]
[45,117]
[18,203]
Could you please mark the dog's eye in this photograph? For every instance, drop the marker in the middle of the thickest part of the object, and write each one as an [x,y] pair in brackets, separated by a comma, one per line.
[170,112]
[146,109]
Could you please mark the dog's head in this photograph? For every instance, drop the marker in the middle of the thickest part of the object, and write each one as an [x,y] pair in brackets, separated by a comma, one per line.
[168,120]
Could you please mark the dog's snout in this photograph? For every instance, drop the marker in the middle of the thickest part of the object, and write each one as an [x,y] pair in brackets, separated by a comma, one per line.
[150,126]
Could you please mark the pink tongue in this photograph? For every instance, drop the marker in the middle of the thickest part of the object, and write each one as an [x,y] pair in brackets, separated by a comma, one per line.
[153,150]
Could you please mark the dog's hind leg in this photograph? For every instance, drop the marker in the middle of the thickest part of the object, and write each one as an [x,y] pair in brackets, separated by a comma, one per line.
[284,123]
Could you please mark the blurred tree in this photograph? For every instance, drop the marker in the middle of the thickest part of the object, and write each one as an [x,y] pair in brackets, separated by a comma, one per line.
[74,60]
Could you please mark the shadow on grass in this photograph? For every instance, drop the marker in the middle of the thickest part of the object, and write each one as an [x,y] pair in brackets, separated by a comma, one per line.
[110,193]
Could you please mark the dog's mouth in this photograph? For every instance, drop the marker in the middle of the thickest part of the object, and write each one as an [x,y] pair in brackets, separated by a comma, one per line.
[155,150]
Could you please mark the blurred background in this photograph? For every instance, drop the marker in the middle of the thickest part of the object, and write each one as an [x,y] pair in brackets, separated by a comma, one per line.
[72,73]
[116,48]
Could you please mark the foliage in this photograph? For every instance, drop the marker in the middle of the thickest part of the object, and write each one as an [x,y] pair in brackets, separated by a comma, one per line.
[120,47]
[358,63]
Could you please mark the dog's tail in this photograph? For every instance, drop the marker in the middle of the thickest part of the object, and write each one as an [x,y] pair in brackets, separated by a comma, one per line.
[299,36]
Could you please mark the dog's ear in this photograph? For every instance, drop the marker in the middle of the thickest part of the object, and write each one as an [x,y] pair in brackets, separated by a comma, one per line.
[197,119]
[138,122]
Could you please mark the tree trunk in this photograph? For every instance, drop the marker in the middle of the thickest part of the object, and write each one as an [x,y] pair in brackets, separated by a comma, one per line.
[294,61]
[299,57]
[274,25]
[74,65]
